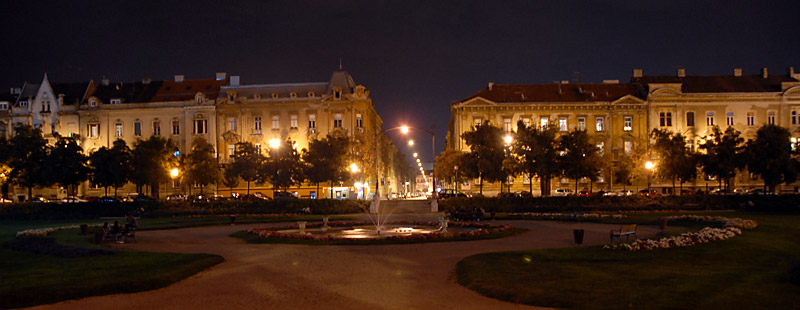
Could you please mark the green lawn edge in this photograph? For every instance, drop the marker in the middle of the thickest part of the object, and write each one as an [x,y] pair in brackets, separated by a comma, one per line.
[251,238]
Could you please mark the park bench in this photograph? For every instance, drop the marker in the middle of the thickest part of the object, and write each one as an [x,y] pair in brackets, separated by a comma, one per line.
[624,230]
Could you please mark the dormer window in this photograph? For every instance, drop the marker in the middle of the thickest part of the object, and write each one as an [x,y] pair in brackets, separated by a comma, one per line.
[198,99]
[115,101]
[3,106]
[274,95]
[23,103]
[93,102]
[310,94]
[337,93]
[293,95]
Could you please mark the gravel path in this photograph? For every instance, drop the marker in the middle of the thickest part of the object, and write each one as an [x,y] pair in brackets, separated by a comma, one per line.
[282,276]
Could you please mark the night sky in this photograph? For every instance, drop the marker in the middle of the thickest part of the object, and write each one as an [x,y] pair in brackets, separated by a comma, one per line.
[415,57]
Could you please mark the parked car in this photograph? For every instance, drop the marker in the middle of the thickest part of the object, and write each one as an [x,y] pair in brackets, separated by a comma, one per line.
[3,200]
[687,192]
[447,193]
[143,198]
[283,195]
[609,194]
[198,198]
[176,197]
[759,191]
[254,197]
[508,194]
[39,200]
[648,192]
[721,191]
[625,192]
[72,199]
[562,192]
[584,193]
[739,191]
[107,199]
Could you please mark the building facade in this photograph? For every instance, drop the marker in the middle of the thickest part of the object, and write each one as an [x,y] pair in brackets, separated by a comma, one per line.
[619,116]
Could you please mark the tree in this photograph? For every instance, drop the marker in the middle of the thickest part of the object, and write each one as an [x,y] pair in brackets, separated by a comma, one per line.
[324,160]
[579,157]
[111,167]
[723,155]
[485,158]
[247,163]
[230,178]
[66,163]
[5,169]
[201,166]
[152,160]
[676,161]
[446,164]
[769,156]
[537,151]
[624,170]
[282,167]
[27,156]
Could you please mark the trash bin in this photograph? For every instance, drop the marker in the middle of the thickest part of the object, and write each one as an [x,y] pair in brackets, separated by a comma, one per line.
[578,235]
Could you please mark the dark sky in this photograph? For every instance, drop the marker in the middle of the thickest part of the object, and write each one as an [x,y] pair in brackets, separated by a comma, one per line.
[414,56]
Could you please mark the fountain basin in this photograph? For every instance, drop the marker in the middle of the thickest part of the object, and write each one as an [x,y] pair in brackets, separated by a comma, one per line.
[343,231]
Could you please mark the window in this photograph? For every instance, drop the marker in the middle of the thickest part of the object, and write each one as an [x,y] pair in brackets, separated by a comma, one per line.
[527,122]
[4,106]
[581,123]
[116,101]
[771,117]
[359,121]
[562,124]
[137,129]
[601,148]
[794,117]
[690,119]
[276,122]
[257,125]
[665,119]
[176,127]
[257,146]
[628,146]
[337,93]
[312,121]
[600,125]
[157,128]
[23,103]
[794,141]
[176,183]
[337,120]
[94,130]
[118,130]
[690,142]
[198,99]
[751,119]
[710,119]
[627,123]
[507,124]
[231,150]
[232,123]
[729,119]
[477,122]
[543,122]
[201,126]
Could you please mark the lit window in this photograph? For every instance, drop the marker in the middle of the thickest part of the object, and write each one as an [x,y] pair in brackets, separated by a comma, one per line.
[94,130]
[312,121]
[710,119]
[507,124]
[627,124]
[690,142]
[201,126]
[690,119]
[527,122]
[794,142]
[665,119]
[600,125]
[543,122]
[562,124]
[477,122]
[157,128]
[137,129]
[794,117]
[601,148]
[3,106]
[257,147]
[771,117]
[232,123]
[581,123]
[729,118]
[359,121]
[24,103]
[231,150]
[118,130]
[751,119]
[176,127]
[116,101]
[628,145]
[276,122]
[337,120]
[257,125]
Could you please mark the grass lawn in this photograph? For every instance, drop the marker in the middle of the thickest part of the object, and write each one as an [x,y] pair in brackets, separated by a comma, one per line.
[251,238]
[745,272]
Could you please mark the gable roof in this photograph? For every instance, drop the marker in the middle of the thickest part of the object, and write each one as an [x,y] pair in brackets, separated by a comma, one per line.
[555,92]
[717,83]
[74,93]
[137,92]
[28,91]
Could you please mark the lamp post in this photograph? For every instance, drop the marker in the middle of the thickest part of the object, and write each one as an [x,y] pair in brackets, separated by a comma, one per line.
[649,165]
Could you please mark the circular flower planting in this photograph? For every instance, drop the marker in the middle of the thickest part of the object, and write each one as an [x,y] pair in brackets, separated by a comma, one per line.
[403,231]
[731,227]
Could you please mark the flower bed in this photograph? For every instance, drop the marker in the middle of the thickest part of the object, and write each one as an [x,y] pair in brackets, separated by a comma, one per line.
[481,230]
[731,227]
[42,232]
[573,214]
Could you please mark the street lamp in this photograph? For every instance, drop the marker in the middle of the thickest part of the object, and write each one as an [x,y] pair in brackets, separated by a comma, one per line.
[174,172]
[415,154]
[274,143]
[508,139]
[353,168]
[649,165]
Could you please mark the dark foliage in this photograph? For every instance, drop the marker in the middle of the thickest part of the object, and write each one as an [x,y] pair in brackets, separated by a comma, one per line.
[48,246]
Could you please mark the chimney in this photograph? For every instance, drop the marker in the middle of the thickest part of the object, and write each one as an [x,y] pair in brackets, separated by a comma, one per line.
[681,72]
[610,81]
[179,78]
[105,81]
[234,80]
[221,76]
[146,80]
[764,73]
[637,73]
[737,71]
[491,84]
[564,81]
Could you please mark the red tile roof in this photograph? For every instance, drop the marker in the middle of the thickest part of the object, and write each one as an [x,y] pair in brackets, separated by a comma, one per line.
[555,92]
[180,91]
[719,83]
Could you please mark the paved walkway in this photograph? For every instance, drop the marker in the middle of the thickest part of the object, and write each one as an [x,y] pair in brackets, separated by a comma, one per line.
[282,276]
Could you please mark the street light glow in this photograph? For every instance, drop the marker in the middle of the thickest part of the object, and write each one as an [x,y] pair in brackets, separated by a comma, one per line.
[649,165]
[417,159]
[174,172]
[415,154]
[404,129]
[274,143]
[410,142]
[353,167]
[508,139]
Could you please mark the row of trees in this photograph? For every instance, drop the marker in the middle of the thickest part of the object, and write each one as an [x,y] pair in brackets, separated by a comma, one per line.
[545,154]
